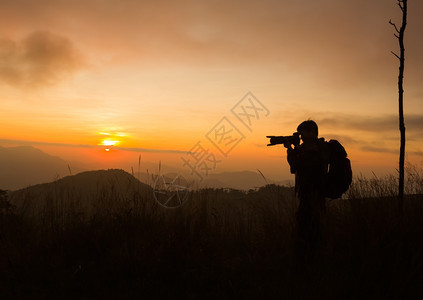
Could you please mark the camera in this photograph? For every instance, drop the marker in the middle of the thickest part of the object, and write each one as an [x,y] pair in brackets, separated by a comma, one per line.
[293,139]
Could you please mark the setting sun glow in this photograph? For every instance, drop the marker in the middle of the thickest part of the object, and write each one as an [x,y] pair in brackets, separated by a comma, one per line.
[108,142]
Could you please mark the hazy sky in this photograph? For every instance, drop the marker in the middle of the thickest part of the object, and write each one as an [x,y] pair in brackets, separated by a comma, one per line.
[159,76]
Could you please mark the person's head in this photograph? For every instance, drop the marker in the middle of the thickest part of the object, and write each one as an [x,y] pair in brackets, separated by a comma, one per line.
[308,130]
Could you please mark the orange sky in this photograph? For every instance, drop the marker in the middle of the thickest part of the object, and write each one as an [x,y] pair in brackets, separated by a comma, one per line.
[157,76]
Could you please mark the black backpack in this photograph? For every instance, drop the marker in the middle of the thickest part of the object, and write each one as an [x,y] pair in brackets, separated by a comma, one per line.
[340,173]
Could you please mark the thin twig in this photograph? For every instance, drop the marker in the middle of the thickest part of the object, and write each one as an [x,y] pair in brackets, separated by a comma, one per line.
[395,26]
[395,54]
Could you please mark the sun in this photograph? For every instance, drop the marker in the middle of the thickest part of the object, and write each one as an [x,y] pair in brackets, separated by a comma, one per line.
[110,139]
[109,142]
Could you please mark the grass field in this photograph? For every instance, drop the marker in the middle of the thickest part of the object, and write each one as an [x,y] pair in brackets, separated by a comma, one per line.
[218,244]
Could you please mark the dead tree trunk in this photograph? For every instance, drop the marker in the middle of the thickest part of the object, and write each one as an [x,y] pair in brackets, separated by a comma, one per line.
[400,36]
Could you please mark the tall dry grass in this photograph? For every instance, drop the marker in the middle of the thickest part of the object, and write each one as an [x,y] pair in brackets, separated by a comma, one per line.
[219,243]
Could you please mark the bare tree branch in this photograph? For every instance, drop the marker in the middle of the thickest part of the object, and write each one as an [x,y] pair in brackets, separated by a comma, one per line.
[395,55]
[395,26]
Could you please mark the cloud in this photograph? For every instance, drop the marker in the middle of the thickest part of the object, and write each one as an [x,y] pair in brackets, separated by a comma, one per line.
[337,123]
[320,32]
[41,59]
[378,149]
[328,43]
[385,123]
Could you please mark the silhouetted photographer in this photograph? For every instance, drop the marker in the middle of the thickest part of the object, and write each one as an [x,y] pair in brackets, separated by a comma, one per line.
[321,170]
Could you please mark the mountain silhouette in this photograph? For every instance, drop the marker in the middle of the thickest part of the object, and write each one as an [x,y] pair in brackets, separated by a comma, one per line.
[25,165]
[85,193]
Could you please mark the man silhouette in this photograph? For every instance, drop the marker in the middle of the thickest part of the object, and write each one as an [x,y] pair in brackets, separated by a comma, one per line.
[309,162]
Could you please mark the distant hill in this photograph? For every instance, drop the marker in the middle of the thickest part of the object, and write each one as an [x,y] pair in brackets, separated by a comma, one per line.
[25,165]
[85,193]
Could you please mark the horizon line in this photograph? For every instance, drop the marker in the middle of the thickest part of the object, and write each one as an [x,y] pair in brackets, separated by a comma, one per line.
[130,149]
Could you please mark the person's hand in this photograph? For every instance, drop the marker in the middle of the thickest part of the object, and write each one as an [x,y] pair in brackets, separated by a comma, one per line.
[288,145]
